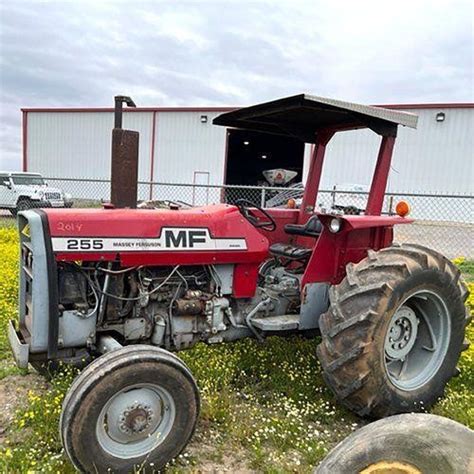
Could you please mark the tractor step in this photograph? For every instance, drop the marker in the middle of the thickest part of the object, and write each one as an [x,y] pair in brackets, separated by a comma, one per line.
[285,322]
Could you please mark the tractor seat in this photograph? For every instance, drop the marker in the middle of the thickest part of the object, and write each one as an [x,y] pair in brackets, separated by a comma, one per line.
[312,228]
[289,251]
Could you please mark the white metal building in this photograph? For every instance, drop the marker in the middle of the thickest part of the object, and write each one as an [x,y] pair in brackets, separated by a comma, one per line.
[180,145]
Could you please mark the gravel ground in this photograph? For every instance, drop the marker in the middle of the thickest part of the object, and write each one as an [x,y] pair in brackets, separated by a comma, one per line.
[452,239]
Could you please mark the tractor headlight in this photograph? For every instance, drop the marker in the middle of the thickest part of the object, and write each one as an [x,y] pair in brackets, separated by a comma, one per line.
[335,225]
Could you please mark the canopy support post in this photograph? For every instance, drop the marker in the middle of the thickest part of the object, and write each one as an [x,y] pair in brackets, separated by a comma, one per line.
[379,181]
[314,176]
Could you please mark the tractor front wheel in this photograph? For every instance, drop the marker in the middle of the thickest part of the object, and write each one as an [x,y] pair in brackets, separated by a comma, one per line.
[394,331]
[131,409]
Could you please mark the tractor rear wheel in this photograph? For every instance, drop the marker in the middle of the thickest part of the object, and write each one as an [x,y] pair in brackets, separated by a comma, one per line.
[131,409]
[394,331]
[404,444]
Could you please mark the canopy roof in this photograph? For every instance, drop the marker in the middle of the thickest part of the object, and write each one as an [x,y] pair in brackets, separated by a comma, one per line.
[303,116]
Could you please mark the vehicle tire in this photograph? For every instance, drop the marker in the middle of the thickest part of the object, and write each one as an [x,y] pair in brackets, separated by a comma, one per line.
[404,444]
[351,211]
[23,205]
[394,331]
[134,407]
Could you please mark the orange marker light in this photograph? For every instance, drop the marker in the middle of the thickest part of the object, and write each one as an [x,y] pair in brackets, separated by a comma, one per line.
[291,204]
[402,209]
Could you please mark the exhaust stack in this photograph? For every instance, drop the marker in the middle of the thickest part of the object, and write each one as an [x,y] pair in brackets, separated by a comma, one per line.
[124,172]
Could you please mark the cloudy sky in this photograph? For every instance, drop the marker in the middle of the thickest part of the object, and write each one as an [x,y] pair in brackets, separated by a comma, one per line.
[82,53]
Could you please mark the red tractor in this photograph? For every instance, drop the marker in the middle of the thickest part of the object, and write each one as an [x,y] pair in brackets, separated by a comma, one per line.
[124,288]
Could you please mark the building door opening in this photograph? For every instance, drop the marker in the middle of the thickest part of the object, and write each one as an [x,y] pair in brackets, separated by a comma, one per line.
[249,154]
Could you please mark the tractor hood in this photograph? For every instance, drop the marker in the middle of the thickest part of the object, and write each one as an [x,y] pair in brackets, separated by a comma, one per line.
[201,236]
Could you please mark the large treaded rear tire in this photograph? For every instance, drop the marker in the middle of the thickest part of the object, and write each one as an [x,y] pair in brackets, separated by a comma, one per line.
[354,329]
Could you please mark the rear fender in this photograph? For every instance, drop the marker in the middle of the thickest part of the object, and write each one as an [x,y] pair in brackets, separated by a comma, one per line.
[358,235]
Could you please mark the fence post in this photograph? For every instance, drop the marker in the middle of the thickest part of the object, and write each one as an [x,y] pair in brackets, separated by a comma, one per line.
[390,205]
[262,198]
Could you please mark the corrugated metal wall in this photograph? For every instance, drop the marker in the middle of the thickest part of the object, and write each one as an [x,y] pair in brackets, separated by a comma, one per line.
[435,158]
[78,144]
[187,150]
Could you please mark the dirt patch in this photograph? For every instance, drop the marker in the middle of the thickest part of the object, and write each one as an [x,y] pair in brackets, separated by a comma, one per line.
[13,395]
[208,452]
[212,462]
[228,463]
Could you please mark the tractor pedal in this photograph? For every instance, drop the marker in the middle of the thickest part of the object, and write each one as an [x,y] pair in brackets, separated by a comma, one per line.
[285,322]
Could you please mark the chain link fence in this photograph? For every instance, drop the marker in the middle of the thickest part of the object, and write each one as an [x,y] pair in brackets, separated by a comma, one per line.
[443,222]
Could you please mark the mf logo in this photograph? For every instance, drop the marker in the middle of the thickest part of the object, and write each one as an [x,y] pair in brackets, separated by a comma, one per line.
[185,238]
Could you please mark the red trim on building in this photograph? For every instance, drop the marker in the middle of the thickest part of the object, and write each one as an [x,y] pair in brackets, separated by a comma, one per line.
[226,152]
[24,139]
[454,105]
[447,105]
[133,109]
[224,174]
[152,153]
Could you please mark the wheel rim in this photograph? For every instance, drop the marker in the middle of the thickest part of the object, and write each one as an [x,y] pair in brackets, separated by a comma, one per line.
[135,420]
[417,340]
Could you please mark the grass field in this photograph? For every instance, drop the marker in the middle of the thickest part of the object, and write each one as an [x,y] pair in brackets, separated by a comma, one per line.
[265,406]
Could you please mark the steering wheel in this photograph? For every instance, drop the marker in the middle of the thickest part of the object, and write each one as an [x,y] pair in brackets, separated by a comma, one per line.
[244,205]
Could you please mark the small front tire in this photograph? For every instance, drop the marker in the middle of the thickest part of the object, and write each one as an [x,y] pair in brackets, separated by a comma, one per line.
[131,408]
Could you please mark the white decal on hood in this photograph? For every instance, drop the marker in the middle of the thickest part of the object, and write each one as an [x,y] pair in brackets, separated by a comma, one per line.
[171,239]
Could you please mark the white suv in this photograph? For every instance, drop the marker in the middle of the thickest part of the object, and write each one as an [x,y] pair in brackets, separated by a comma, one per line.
[20,191]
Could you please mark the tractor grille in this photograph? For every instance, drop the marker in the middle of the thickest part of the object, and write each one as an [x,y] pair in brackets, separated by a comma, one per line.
[34,291]
[53,195]
[27,277]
